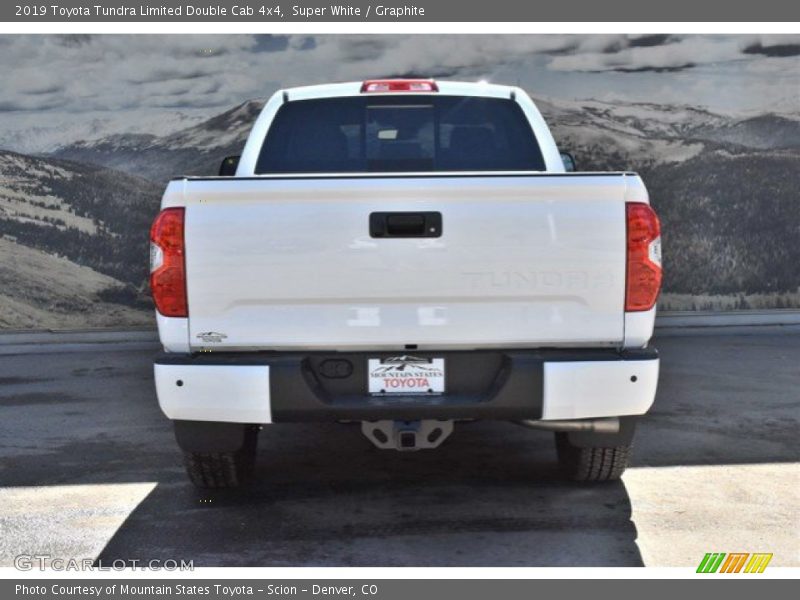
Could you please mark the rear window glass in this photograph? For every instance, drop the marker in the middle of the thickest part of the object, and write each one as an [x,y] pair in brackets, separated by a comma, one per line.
[399,133]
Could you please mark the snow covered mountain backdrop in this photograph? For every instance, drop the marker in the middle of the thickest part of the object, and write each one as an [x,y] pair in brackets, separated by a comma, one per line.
[77,197]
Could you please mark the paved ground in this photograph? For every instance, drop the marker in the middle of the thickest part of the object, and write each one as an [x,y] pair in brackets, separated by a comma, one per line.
[88,468]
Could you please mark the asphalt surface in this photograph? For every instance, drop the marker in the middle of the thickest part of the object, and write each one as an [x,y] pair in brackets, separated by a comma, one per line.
[89,468]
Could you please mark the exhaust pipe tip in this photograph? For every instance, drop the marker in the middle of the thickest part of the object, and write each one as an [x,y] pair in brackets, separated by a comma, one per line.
[604,425]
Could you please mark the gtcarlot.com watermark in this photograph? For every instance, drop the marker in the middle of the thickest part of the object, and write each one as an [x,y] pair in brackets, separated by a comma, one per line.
[44,562]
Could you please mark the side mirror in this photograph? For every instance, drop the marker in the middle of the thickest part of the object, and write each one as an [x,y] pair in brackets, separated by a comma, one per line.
[228,166]
[569,162]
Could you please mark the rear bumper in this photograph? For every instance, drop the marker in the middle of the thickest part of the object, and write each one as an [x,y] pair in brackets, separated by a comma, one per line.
[269,387]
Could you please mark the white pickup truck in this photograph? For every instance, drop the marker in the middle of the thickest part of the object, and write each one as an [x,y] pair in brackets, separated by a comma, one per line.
[405,254]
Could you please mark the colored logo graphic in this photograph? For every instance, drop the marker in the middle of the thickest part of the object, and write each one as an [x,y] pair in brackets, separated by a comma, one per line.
[735,562]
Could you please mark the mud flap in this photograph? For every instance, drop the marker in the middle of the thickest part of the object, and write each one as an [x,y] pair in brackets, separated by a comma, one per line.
[210,436]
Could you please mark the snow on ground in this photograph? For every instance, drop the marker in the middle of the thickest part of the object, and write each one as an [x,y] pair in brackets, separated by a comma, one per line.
[31,134]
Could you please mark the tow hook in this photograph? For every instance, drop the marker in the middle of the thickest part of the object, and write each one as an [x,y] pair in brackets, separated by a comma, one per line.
[407,436]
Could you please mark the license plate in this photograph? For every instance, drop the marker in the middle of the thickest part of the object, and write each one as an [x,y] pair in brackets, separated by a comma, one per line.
[406,375]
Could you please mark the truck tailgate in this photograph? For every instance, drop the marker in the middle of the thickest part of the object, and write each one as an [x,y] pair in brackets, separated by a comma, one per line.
[522,260]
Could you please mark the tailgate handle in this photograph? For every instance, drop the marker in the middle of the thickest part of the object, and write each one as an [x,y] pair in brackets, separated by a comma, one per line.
[405,224]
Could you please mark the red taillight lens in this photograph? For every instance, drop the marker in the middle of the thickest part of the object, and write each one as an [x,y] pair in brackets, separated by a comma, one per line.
[644,257]
[377,86]
[167,264]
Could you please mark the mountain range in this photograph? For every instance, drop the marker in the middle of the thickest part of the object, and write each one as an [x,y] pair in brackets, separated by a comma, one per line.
[602,135]
[726,188]
[73,243]
[196,150]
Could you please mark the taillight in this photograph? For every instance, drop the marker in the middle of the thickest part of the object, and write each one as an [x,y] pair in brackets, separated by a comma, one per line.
[376,86]
[644,257]
[167,264]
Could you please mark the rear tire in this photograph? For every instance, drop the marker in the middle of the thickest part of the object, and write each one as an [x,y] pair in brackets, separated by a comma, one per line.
[591,463]
[223,470]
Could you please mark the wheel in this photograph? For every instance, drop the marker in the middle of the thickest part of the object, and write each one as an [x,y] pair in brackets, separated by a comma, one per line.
[220,470]
[591,463]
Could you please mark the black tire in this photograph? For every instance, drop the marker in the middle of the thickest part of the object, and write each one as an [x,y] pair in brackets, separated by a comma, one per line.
[222,470]
[591,463]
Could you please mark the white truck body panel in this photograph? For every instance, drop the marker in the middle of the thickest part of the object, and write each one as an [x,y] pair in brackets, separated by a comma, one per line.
[572,390]
[596,389]
[193,393]
[639,328]
[288,263]
[173,333]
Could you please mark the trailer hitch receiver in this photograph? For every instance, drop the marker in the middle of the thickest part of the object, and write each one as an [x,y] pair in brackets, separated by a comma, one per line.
[407,436]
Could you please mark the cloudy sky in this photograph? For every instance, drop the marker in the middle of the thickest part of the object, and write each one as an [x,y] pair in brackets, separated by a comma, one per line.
[134,79]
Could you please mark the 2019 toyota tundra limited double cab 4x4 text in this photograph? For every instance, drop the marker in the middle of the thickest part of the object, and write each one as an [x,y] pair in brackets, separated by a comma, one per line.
[406,254]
